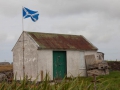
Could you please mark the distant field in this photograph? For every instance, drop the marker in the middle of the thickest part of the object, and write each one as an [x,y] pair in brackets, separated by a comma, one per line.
[5,67]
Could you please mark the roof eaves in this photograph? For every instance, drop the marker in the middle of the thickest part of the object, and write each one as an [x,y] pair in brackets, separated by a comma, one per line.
[39,48]
[95,48]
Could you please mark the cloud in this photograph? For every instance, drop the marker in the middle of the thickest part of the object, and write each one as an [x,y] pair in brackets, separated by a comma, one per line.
[97,20]
[13,8]
[61,7]
[9,29]
[92,25]
[2,37]
[67,7]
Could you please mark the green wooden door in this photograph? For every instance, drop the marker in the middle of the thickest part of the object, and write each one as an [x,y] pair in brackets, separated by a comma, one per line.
[59,64]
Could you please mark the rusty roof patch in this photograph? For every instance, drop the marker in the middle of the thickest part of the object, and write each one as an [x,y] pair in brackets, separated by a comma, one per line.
[61,41]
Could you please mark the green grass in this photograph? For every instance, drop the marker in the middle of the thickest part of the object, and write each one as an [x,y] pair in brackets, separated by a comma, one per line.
[107,82]
[113,79]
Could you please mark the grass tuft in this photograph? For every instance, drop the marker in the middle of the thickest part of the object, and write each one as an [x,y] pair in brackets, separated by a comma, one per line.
[108,82]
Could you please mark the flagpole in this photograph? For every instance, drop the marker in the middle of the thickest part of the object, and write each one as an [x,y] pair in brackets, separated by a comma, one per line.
[28,13]
[23,45]
[22,20]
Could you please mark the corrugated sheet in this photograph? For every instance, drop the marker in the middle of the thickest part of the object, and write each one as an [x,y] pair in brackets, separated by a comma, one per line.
[61,41]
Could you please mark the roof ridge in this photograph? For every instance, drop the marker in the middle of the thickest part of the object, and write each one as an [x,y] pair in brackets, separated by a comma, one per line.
[53,33]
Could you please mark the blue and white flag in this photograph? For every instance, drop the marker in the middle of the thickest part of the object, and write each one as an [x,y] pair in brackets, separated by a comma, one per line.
[30,13]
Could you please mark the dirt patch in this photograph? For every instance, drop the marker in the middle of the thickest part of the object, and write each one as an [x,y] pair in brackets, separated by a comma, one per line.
[6,68]
[114,65]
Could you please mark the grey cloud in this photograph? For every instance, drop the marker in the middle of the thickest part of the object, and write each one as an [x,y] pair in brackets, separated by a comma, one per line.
[14,7]
[66,7]
[93,25]
[2,37]
[61,7]
[97,20]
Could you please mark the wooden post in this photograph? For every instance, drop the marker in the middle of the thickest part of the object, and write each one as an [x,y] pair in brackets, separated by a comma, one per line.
[94,77]
[94,82]
[41,75]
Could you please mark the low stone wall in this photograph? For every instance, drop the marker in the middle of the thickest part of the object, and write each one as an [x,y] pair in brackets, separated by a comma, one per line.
[114,65]
[6,71]
[4,63]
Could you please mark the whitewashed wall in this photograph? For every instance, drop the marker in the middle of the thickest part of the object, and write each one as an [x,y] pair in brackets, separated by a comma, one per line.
[75,64]
[17,60]
[30,60]
[91,53]
[45,63]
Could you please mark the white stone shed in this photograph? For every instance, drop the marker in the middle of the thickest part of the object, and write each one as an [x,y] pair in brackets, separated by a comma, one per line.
[57,54]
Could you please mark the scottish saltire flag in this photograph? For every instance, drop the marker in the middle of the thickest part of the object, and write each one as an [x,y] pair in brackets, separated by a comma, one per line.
[30,13]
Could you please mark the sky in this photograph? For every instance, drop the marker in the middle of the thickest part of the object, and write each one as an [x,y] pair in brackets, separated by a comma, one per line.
[97,20]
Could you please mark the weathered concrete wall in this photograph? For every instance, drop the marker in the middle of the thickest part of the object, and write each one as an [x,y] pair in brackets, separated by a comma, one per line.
[100,56]
[18,58]
[30,60]
[45,63]
[91,53]
[75,63]
[82,70]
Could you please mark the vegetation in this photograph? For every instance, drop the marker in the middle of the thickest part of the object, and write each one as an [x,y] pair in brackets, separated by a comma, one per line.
[108,82]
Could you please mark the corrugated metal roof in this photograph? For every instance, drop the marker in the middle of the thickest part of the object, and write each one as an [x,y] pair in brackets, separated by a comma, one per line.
[61,41]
